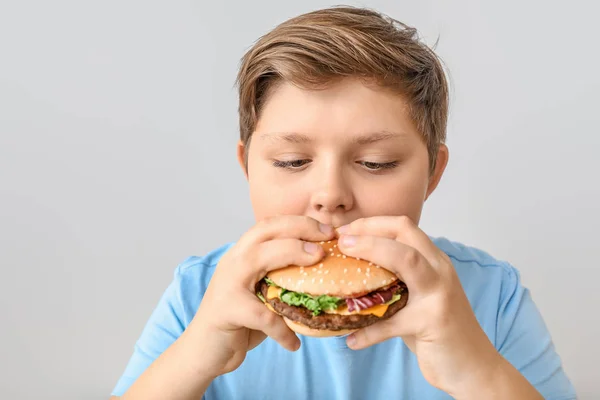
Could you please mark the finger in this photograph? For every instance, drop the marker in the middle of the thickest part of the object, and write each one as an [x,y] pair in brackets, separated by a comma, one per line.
[256,338]
[280,253]
[370,335]
[253,314]
[288,226]
[405,261]
[380,332]
[400,228]
[402,324]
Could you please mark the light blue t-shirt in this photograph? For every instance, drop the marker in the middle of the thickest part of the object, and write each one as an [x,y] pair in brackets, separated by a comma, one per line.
[325,368]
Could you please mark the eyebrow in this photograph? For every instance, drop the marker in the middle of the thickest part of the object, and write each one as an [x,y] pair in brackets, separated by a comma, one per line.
[290,137]
[361,139]
[372,137]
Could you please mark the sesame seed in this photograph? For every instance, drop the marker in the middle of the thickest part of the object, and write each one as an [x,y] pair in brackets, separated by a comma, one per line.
[326,271]
[306,273]
[358,269]
[342,281]
[335,245]
[368,270]
[368,274]
[384,282]
[339,255]
[349,283]
[313,280]
[344,256]
[322,242]
[314,268]
[357,258]
[364,281]
[377,266]
[289,279]
[370,263]
[321,280]
[329,241]
[321,265]
[320,272]
[345,270]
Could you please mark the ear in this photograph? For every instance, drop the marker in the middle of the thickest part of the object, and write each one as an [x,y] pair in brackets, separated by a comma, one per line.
[440,166]
[241,151]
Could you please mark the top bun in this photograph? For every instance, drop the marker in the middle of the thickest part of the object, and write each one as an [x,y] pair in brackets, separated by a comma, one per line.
[335,275]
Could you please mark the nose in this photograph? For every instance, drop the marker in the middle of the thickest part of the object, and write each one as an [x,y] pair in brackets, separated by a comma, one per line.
[333,191]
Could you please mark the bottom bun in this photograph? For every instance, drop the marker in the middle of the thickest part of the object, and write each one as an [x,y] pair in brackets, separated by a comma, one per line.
[306,331]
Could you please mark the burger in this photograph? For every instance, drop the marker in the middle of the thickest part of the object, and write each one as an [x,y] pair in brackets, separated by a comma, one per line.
[334,297]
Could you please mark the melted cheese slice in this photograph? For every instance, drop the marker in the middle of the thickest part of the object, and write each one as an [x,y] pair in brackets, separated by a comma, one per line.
[274,292]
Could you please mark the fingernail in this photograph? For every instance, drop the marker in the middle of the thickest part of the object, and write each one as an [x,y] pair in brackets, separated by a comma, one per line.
[343,229]
[310,247]
[326,229]
[351,341]
[348,240]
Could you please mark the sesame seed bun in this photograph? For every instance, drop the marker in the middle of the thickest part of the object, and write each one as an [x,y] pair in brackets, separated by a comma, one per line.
[335,275]
[306,331]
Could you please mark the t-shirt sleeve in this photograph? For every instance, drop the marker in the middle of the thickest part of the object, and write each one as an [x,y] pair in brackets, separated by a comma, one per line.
[524,340]
[166,323]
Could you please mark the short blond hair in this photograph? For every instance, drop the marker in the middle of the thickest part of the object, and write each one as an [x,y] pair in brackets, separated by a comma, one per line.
[319,47]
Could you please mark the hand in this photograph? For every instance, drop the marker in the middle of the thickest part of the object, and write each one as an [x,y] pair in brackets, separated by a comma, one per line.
[231,320]
[437,324]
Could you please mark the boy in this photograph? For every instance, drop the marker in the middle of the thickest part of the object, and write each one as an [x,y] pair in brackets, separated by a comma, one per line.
[342,121]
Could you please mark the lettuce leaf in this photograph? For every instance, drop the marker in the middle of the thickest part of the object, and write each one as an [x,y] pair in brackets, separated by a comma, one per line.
[314,304]
[269,282]
[394,299]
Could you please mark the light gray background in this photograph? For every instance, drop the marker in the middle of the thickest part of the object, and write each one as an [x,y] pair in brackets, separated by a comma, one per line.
[117,160]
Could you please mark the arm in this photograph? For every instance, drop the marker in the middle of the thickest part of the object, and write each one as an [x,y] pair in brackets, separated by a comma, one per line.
[526,356]
[500,381]
[439,325]
[177,374]
[206,322]
[165,362]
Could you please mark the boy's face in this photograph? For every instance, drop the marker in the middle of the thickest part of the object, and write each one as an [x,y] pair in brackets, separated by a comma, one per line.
[338,154]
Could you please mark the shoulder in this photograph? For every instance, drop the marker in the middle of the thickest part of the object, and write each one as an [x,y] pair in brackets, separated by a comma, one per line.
[199,269]
[191,278]
[463,253]
[493,285]
[506,311]
[474,264]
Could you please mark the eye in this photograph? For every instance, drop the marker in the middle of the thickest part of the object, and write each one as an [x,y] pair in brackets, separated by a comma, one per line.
[291,164]
[374,166]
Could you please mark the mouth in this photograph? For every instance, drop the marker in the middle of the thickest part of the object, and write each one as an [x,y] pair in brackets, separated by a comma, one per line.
[335,224]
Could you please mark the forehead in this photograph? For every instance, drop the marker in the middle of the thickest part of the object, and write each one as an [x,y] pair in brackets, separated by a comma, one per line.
[347,106]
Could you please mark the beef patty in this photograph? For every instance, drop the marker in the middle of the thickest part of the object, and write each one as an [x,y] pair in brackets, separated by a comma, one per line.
[332,322]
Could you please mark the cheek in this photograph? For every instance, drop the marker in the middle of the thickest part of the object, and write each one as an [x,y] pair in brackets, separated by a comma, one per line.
[269,200]
[397,196]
